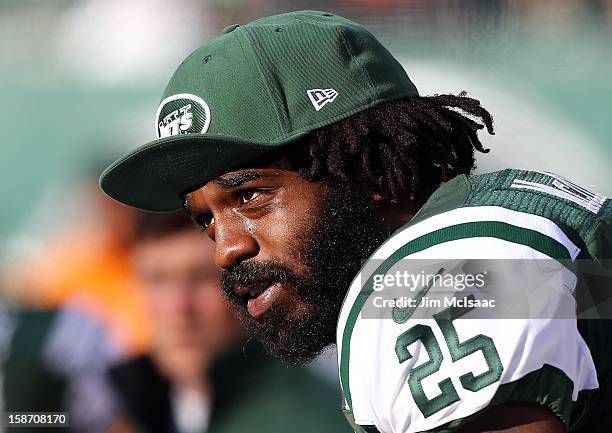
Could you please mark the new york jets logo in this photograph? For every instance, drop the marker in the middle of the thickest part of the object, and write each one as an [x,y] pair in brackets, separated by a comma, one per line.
[182,114]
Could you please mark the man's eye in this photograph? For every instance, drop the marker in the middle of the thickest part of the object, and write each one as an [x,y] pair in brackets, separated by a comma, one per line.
[247,196]
[205,221]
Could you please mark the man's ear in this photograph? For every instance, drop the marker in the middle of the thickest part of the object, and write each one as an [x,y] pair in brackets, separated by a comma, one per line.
[377,198]
[374,193]
[395,214]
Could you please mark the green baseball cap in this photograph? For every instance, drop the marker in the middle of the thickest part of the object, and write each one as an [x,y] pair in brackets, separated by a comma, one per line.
[250,91]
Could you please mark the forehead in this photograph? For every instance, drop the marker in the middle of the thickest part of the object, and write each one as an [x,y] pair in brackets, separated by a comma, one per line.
[175,248]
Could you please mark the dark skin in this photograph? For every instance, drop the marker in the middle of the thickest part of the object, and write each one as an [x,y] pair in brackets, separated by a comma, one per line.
[251,213]
[255,213]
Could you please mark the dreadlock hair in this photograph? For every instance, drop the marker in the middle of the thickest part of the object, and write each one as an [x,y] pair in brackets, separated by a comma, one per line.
[403,148]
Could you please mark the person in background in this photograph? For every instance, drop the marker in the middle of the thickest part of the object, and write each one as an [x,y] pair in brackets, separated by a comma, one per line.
[201,375]
[84,262]
[54,360]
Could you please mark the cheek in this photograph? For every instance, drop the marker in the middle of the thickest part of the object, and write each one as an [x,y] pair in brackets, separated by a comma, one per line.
[215,320]
[285,230]
[209,304]
[159,307]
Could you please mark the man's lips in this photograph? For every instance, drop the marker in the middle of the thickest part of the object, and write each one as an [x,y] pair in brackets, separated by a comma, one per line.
[259,299]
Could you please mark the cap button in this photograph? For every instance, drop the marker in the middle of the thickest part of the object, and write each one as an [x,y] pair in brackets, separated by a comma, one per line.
[231,28]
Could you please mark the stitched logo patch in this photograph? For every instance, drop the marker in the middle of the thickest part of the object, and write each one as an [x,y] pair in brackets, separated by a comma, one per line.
[321,97]
[182,114]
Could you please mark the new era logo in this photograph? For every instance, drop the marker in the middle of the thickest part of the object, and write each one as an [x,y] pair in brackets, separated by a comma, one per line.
[320,97]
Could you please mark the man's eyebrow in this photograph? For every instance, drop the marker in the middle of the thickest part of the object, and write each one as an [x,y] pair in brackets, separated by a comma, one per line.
[227,181]
[186,207]
[192,214]
[238,178]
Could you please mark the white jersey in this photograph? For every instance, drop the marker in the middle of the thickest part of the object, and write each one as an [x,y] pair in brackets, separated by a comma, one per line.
[470,305]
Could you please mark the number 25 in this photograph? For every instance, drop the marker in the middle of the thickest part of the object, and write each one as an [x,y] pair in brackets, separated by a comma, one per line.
[448,395]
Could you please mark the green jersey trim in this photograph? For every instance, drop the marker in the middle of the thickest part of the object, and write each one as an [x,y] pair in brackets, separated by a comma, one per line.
[356,427]
[493,229]
[548,386]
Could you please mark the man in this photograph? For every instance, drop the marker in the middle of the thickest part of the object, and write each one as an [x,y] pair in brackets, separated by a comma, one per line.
[190,325]
[300,146]
[200,375]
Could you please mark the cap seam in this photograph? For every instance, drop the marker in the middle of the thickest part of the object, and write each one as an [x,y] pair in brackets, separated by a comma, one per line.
[363,69]
[263,76]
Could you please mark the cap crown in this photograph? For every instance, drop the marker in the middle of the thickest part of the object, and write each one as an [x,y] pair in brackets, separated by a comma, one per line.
[280,77]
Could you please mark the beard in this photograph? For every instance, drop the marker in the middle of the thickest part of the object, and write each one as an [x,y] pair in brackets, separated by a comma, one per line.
[348,231]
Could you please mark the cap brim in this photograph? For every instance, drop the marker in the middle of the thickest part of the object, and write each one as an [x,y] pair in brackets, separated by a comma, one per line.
[154,176]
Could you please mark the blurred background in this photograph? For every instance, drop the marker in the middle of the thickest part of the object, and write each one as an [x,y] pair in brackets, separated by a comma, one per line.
[80,81]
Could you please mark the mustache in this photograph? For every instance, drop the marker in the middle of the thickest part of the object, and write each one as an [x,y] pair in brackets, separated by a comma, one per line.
[256,275]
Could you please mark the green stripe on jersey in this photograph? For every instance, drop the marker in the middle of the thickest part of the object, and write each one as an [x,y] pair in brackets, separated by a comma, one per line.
[494,229]
[549,387]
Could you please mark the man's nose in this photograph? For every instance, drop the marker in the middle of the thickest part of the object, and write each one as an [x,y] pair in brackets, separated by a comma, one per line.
[233,244]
